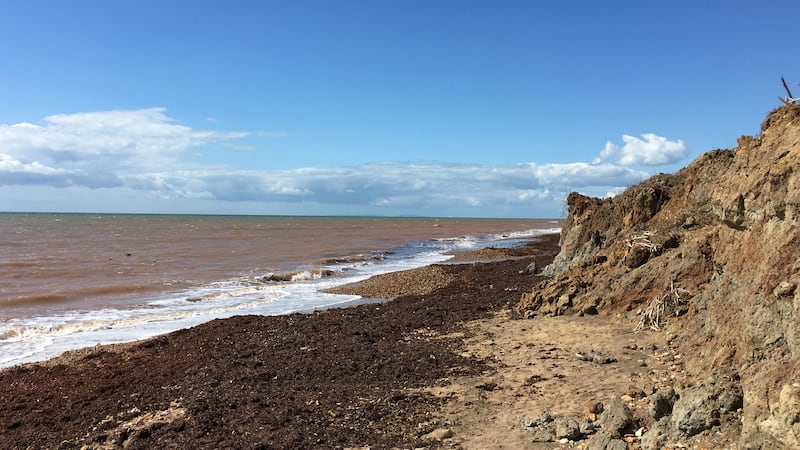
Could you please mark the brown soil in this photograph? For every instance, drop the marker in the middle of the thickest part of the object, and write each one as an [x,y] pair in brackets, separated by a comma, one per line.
[339,378]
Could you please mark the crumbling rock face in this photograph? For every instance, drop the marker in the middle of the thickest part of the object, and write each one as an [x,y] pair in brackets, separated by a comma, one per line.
[714,250]
[592,222]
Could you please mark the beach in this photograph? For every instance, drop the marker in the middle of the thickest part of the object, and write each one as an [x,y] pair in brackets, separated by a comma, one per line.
[339,378]
[76,280]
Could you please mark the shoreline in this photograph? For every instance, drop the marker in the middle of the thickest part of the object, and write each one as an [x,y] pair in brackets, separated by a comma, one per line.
[262,280]
[336,378]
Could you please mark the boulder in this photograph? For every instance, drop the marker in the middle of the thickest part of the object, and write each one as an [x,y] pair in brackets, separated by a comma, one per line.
[616,418]
[661,403]
[604,441]
[693,411]
[566,428]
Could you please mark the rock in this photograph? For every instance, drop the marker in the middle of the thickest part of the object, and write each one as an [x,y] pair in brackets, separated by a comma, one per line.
[546,428]
[566,427]
[699,408]
[604,441]
[593,261]
[594,356]
[781,428]
[531,269]
[616,418]
[730,400]
[487,386]
[637,256]
[728,270]
[784,289]
[438,434]
[658,436]
[661,403]
[586,427]
[694,412]
[540,435]
[594,408]
[617,444]
[590,310]
[542,420]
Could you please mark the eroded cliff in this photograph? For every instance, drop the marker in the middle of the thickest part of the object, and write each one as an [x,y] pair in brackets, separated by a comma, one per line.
[710,257]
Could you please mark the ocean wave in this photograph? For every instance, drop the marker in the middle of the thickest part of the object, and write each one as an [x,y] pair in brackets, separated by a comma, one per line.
[277,293]
[62,296]
[302,275]
[358,258]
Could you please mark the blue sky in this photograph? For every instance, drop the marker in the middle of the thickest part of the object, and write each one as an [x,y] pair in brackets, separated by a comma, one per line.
[435,108]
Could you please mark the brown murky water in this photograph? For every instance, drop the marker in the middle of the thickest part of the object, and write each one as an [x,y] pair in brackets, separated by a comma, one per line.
[61,261]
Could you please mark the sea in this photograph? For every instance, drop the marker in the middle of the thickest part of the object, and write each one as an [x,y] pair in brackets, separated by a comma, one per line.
[69,281]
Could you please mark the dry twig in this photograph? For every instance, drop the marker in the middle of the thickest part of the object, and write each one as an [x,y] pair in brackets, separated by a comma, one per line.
[642,241]
[653,315]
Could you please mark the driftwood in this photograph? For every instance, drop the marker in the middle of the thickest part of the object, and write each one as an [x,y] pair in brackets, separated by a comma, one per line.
[642,241]
[640,250]
[789,99]
[653,315]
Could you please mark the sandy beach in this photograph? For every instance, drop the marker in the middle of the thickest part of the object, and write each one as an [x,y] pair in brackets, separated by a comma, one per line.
[375,375]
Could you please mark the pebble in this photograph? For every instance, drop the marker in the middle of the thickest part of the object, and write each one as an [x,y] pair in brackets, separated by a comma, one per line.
[438,434]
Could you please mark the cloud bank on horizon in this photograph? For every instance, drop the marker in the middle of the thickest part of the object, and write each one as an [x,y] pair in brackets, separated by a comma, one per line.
[146,153]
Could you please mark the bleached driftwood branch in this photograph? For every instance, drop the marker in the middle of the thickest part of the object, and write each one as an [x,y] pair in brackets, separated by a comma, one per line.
[653,315]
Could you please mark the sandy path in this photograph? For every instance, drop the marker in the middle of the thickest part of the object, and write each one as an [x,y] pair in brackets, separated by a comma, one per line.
[537,370]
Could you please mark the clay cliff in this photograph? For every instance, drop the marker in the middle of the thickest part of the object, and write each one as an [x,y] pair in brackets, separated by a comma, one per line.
[709,257]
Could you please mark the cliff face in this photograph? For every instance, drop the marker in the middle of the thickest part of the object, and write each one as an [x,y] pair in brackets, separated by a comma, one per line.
[710,256]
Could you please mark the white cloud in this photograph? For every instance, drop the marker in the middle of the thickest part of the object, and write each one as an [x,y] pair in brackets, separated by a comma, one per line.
[9,164]
[653,150]
[141,151]
[392,184]
[108,140]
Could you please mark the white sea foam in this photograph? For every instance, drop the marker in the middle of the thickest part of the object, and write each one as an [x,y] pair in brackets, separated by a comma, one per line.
[40,338]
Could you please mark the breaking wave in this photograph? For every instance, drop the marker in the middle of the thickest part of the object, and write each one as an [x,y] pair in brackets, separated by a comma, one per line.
[42,337]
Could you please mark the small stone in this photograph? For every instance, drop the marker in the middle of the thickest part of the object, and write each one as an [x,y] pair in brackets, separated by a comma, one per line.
[531,269]
[542,436]
[594,356]
[438,434]
[487,386]
[784,289]
[587,427]
[617,444]
[595,407]
[590,310]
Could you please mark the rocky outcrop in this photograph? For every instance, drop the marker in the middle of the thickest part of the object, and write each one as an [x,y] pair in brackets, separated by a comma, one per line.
[711,256]
[695,410]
